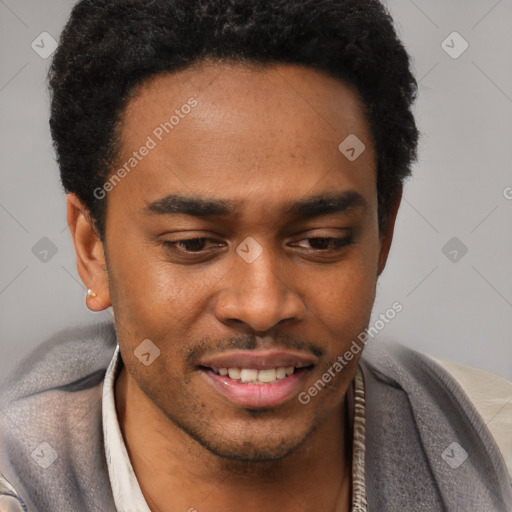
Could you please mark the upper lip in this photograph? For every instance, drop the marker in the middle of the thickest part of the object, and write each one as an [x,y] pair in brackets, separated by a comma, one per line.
[258,359]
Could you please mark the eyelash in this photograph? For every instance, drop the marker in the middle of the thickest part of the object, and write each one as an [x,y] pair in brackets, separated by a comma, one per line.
[339,243]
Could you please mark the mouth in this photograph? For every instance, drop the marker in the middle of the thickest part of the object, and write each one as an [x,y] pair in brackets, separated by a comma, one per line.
[255,380]
[256,376]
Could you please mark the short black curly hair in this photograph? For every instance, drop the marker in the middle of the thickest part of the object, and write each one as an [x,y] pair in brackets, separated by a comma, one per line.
[108,47]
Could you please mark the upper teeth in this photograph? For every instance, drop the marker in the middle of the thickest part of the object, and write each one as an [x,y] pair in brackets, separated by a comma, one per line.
[257,376]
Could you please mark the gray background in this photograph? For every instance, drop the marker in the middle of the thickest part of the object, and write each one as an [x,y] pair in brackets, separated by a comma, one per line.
[455,306]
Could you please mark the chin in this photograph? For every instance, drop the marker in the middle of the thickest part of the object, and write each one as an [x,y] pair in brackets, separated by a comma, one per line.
[251,446]
[250,452]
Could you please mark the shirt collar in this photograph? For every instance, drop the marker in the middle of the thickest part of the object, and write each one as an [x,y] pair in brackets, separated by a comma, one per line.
[127,494]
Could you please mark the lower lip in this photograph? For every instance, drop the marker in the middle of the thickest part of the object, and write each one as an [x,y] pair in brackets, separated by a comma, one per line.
[257,395]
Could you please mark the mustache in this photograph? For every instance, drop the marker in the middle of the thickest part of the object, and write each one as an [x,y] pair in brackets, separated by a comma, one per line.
[249,342]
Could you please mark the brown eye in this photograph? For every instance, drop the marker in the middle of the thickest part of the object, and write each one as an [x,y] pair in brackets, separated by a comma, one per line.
[328,243]
[191,245]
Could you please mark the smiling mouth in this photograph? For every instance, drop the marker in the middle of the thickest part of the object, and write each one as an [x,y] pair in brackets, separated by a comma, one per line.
[258,376]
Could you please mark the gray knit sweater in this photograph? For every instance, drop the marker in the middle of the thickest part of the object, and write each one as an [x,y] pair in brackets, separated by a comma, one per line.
[415,413]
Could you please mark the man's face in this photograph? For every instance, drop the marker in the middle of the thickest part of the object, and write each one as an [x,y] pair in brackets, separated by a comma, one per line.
[260,144]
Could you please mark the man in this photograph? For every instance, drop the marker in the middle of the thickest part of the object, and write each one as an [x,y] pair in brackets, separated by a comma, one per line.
[234,171]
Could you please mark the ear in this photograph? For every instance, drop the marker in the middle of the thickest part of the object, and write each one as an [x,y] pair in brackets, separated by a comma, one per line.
[90,254]
[387,229]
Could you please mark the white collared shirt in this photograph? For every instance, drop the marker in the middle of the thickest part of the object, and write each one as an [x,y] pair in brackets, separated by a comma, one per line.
[128,496]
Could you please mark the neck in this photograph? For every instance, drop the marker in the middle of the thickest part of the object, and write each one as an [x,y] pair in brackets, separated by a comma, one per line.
[176,473]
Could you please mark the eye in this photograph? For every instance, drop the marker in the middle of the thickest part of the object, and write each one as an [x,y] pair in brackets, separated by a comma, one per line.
[199,245]
[328,243]
[191,245]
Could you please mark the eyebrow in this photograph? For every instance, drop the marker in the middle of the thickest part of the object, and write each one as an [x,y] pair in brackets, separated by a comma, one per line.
[306,208]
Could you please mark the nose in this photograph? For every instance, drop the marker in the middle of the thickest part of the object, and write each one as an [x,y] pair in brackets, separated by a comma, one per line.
[259,295]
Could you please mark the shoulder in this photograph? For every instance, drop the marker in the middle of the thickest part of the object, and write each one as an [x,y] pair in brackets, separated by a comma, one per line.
[50,421]
[480,398]
[62,361]
[492,397]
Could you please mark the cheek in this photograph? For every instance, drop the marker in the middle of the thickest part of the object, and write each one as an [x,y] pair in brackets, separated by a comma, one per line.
[348,285]
[343,309]
[164,383]
[340,301]
[149,290]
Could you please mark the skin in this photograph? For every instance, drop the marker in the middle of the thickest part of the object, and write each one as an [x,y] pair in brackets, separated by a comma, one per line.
[262,138]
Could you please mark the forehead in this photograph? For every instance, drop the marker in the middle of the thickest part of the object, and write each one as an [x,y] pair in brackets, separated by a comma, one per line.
[243,132]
